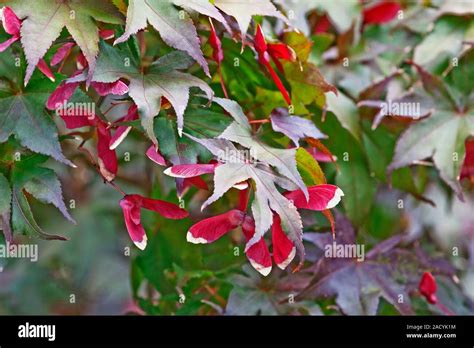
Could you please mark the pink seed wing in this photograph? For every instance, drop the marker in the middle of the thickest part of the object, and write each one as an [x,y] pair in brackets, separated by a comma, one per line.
[211,229]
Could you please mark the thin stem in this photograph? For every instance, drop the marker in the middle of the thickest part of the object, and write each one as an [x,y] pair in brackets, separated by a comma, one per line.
[116,187]
[214,293]
[64,59]
[222,81]
[266,120]
[114,104]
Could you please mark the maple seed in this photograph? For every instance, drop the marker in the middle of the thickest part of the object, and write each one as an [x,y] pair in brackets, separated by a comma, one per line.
[264,53]
[428,287]
[131,205]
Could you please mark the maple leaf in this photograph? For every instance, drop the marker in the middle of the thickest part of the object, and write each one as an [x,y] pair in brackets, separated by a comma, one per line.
[342,14]
[267,197]
[42,183]
[299,10]
[243,10]
[249,295]
[239,132]
[442,135]
[307,83]
[44,21]
[408,98]
[356,285]
[176,30]
[444,41]
[238,167]
[322,197]
[12,26]
[294,127]
[204,7]
[27,175]
[21,109]
[148,86]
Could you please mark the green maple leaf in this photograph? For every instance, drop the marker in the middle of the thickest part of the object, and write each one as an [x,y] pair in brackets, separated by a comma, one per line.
[342,13]
[307,83]
[43,21]
[243,10]
[442,135]
[27,176]
[22,113]
[42,183]
[149,84]
[443,43]
[175,27]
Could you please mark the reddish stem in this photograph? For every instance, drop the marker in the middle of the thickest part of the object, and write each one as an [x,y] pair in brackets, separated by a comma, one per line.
[278,82]
[222,81]
[113,105]
[259,121]
[116,187]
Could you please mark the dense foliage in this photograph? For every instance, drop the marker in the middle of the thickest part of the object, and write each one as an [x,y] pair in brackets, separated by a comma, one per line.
[264,157]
